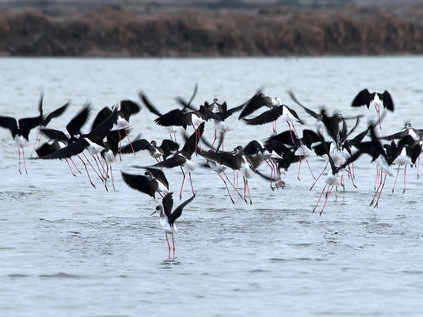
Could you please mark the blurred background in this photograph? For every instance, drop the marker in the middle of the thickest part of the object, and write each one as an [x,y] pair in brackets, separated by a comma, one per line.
[210,27]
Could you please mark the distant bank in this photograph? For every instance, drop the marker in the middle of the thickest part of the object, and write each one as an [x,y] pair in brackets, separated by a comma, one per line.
[181,33]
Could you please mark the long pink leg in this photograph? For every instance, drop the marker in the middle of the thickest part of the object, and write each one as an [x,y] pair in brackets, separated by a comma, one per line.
[245,190]
[190,180]
[19,161]
[396,178]
[320,197]
[227,189]
[24,161]
[86,170]
[274,126]
[311,172]
[233,186]
[183,180]
[91,165]
[299,168]
[377,190]
[271,174]
[173,243]
[111,175]
[249,192]
[215,136]
[380,192]
[326,199]
[98,167]
[168,244]
[405,176]
[74,165]
[377,178]
[318,177]
[70,169]
[418,165]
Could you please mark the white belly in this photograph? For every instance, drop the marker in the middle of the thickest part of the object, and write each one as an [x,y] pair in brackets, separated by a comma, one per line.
[20,141]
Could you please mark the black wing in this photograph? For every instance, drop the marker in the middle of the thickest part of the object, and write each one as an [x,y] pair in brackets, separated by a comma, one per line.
[137,145]
[47,148]
[27,124]
[158,174]
[72,149]
[256,102]
[167,202]
[309,137]
[178,211]
[172,118]
[362,99]
[286,137]
[149,105]
[53,134]
[102,129]
[171,162]
[101,116]
[226,114]
[9,123]
[388,103]
[168,147]
[307,110]
[266,117]
[189,146]
[54,114]
[129,108]
[395,136]
[141,183]
[223,158]
[75,125]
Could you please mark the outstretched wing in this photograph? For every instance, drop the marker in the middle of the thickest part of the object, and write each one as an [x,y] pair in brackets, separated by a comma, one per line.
[307,110]
[266,117]
[178,211]
[168,205]
[141,183]
[9,123]
[27,124]
[135,146]
[129,108]
[388,103]
[362,99]
[192,141]
[53,134]
[256,102]
[172,118]
[149,105]
[54,114]
[75,125]
[72,149]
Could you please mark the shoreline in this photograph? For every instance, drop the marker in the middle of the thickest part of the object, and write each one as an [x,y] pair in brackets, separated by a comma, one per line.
[111,33]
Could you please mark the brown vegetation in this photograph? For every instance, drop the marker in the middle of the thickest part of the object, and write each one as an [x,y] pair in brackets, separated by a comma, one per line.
[214,33]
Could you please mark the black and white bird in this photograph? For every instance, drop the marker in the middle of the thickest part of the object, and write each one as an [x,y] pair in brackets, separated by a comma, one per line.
[152,182]
[158,152]
[169,216]
[182,158]
[374,99]
[20,130]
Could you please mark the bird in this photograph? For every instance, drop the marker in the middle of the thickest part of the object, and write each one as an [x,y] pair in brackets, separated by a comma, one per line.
[376,99]
[287,114]
[153,181]
[182,158]
[166,148]
[169,216]
[20,130]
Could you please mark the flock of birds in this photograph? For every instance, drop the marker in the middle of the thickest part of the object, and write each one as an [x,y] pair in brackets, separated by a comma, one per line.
[332,139]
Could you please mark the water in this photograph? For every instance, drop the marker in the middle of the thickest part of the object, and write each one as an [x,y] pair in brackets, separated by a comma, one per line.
[69,250]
